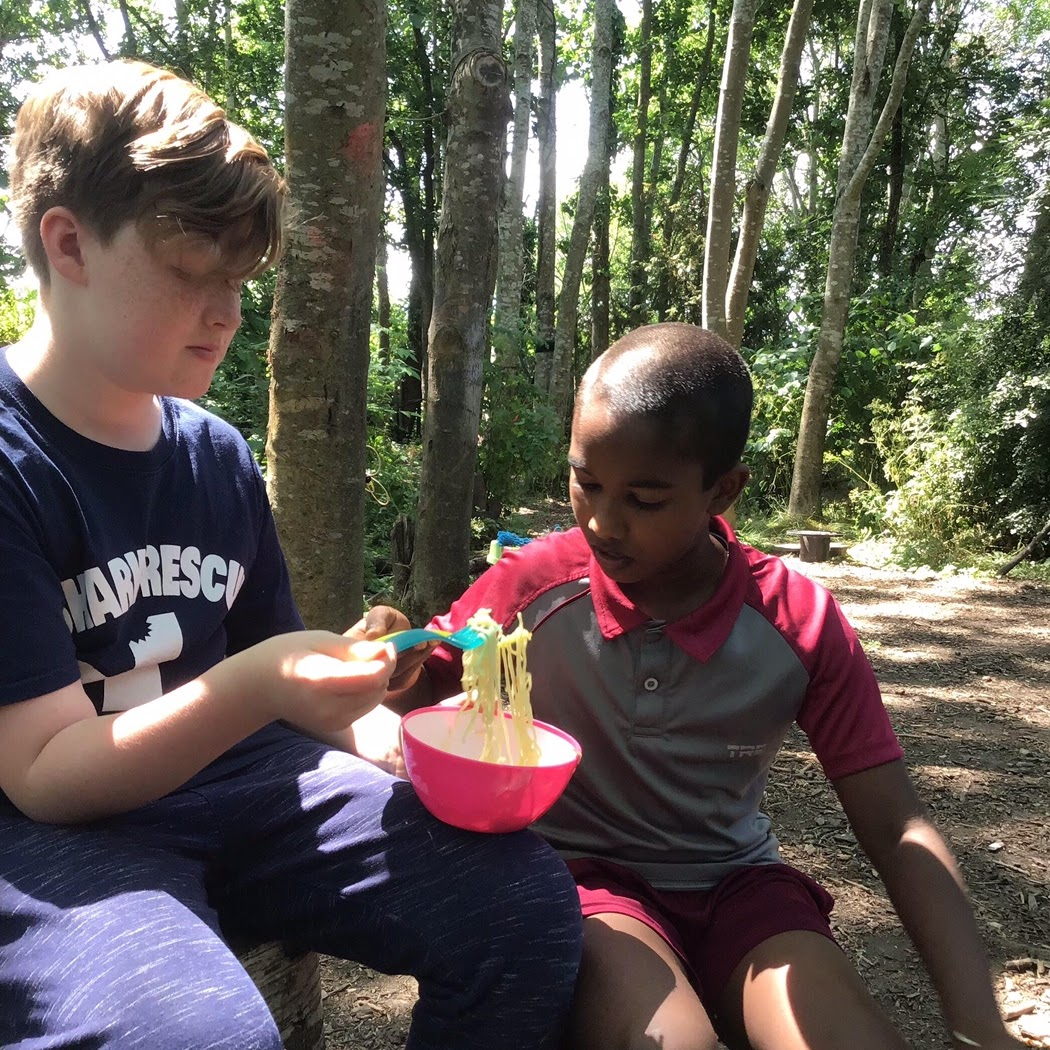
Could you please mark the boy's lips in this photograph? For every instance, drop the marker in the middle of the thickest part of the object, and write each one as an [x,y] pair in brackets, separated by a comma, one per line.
[209,353]
[611,557]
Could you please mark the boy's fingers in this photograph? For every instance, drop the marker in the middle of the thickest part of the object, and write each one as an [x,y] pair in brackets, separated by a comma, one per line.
[365,665]
[382,619]
[359,630]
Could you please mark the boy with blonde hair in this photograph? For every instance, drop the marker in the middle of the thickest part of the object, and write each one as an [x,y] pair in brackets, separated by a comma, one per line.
[174,746]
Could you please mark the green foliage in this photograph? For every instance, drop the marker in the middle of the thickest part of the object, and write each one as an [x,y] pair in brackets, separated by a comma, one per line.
[240,390]
[392,489]
[521,451]
[16,314]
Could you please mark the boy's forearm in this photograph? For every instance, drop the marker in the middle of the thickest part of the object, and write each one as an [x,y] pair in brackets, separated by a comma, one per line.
[101,766]
[928,893]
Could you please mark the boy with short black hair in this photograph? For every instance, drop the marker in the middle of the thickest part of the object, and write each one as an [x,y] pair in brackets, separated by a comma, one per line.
[679,658]
[154,663]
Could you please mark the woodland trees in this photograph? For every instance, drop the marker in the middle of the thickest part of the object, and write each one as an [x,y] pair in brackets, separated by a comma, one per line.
[853,204]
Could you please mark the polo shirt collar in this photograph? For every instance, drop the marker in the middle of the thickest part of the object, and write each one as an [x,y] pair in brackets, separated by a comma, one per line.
[700,633]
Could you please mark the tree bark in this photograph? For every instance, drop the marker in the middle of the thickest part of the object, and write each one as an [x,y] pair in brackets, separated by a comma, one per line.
[547,205]
[663,289]
[600,284]
[636,296]
[597,147]
[335,85]
[756,195]
[720,205]
[859,152]
[479,109]
[507,337]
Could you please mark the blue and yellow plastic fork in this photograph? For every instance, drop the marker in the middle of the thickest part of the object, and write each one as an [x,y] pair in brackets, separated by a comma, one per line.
[464,638]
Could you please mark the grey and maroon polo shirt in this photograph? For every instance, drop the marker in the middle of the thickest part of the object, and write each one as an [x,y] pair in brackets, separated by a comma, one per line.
[679,722]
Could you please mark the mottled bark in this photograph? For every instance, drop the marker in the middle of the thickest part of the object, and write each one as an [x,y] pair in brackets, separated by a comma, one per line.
[720,205]
[597,149]
[859,149]
[335,85]
[507,335]
[547,205]
[478,110]
[756,194]
[636,296]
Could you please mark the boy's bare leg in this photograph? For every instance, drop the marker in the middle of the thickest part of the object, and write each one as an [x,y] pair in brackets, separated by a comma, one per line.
[799,991]
[632,993]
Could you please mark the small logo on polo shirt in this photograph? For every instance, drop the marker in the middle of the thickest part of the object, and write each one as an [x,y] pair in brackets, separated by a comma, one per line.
[744,750]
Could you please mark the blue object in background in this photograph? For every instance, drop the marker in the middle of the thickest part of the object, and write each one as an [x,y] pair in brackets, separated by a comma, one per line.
[511,539]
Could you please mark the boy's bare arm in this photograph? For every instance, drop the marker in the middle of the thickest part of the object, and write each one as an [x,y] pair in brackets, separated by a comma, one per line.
[928,892]
[60,763]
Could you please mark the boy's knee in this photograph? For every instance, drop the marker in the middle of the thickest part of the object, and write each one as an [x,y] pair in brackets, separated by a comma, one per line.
[538,898]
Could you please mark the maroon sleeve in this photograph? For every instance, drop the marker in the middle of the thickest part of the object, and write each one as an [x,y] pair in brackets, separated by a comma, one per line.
[842,712]
[505,589]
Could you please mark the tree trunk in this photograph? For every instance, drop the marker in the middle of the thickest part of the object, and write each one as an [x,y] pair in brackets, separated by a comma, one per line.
[507,337]
[756,195]
[547,205]
[597,147]
[479,109]
[636,300]
[663,290]
[383,302]
[894,196]
[335,86]
[858,157]
[600,284]
[720,205]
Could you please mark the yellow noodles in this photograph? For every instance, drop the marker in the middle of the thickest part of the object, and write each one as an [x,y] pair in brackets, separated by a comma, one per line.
[500,661]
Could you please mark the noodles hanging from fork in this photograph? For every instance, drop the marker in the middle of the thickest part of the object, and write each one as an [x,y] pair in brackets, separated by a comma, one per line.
[495,667]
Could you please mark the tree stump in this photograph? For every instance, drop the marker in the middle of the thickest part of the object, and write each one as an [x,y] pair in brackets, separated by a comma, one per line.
[813,544]
[291,986]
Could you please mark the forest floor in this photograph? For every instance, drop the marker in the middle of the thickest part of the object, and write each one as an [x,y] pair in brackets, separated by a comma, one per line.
[964,665]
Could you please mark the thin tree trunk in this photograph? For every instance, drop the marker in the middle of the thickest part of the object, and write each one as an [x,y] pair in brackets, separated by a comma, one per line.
[858,157]
[319,341]
[663,291]
[597,146]
[1020,557]
[507,336]
[479,109]
[636,296]
[547,205]
[600,283]
[720,205]
[756,195]
[894,195]
[383,302]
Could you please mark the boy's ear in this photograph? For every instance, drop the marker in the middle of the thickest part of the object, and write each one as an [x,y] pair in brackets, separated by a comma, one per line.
[62,235]
[728,487]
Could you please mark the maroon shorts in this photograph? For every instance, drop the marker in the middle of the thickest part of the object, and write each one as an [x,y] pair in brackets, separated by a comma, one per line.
[710,930]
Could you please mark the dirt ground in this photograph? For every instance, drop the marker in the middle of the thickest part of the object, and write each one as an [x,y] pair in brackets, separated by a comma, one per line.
[965,669]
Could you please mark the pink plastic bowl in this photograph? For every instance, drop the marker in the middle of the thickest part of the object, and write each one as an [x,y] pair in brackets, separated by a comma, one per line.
[458,788]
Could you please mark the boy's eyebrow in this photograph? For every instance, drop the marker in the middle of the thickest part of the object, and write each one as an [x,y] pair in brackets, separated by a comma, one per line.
[640,483]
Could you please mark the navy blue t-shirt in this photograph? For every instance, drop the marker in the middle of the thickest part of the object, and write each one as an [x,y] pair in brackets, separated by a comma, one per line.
[133,572]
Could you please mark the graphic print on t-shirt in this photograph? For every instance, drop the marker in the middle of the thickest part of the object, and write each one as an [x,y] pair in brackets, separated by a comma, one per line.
[108,593]
[163,642]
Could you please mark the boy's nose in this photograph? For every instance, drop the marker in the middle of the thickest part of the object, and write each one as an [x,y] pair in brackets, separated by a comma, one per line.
[225,309]
[605,523]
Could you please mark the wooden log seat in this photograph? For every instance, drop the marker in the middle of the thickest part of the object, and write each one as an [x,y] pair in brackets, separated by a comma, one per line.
[291,986]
